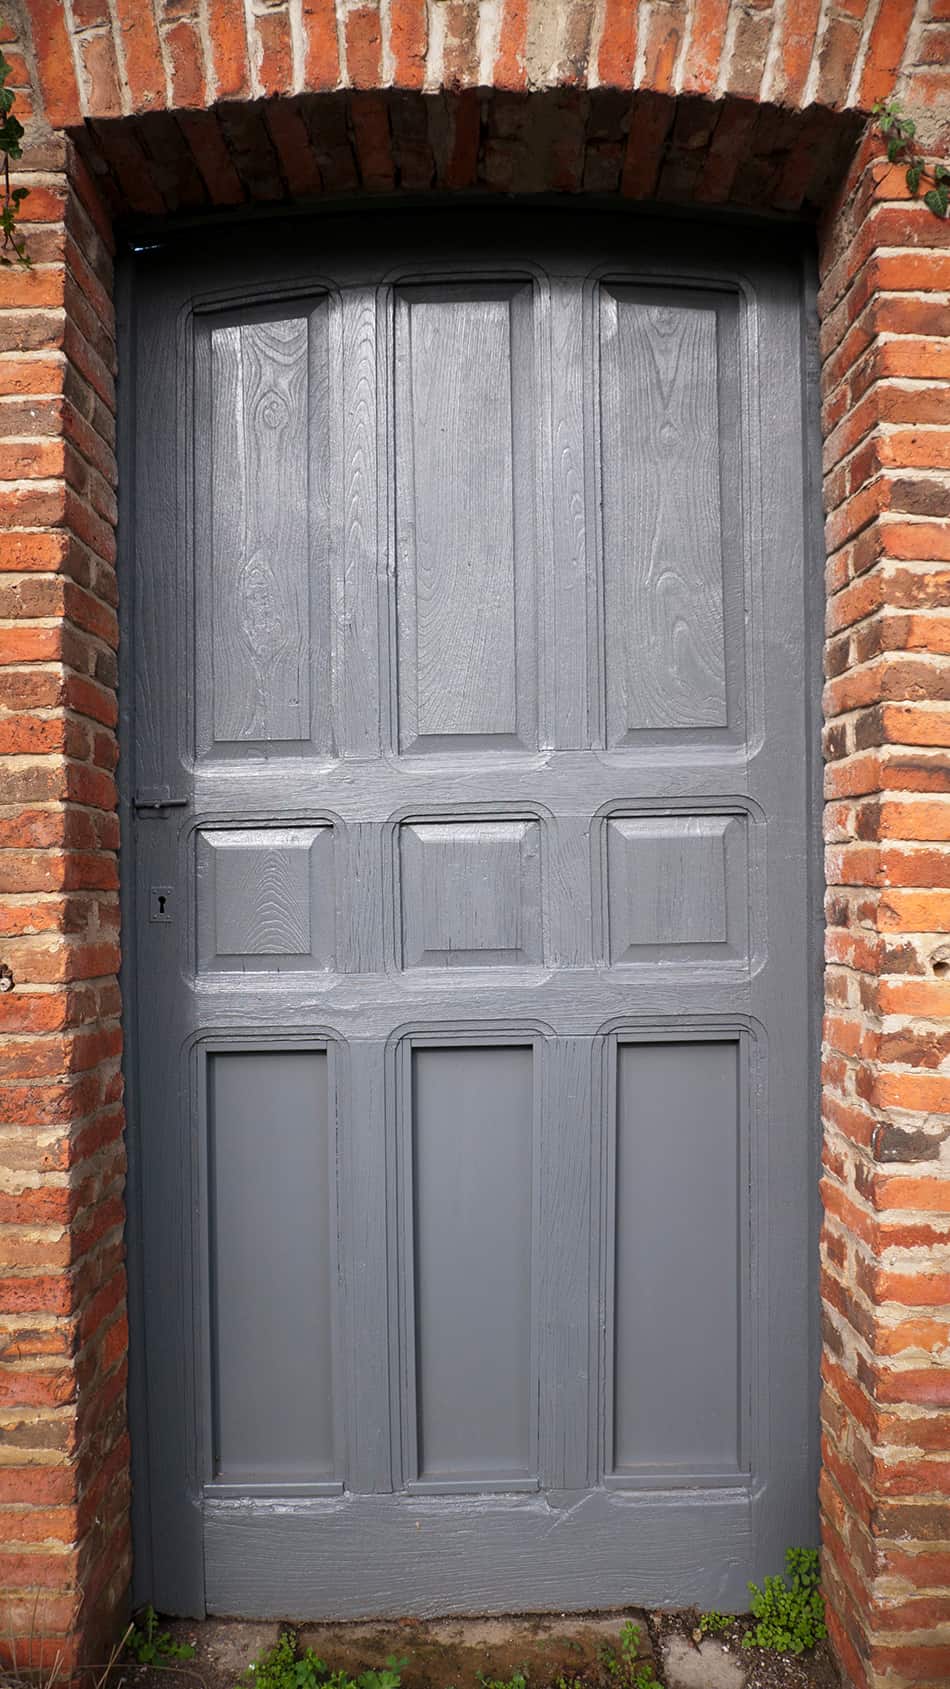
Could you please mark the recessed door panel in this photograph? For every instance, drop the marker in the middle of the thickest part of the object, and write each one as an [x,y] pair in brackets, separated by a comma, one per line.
[470,893]
[263,408]
[670,470]
[266,898]
[465,413]
[472,1226]
[272,1224]
[678,888]
[678,1256]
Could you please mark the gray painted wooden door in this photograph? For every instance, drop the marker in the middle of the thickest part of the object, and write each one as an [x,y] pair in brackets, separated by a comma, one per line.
[468,749]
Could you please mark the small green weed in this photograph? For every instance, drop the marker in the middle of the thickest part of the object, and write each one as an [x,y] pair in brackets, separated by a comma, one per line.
[389,1678]
[627,1669]
[713,1624]
[281,1668]
[154,1647]
[898,132]
[790,1616]
[517,1680]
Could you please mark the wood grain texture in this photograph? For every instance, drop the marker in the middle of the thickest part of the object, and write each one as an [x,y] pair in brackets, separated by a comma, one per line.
[677,883]
[366,1556]
[262,895]
[667,879]
[357,682]
[260,531]
[159,547]
[661,447]
[470,893]
[266,898]
[570,588]
[457,592]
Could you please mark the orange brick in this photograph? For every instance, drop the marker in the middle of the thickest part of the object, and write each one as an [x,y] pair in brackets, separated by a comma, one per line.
[914,911]
[363,44]
[509,68]
[408,35]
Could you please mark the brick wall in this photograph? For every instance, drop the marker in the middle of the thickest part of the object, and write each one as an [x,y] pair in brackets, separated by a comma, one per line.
[886,1242]
[156,106]
[64,1559]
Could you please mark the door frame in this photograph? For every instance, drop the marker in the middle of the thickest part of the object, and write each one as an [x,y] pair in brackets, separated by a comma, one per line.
[138,235]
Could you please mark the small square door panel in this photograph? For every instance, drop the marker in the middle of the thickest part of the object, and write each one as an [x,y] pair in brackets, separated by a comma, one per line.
[265,898]
[677,887]
[471,893]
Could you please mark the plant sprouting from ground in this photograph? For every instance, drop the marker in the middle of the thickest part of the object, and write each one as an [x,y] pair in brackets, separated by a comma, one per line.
[280,1667]
[517,1680]
[789,1612]
[713,1624]
[626,1668]
[151,1646]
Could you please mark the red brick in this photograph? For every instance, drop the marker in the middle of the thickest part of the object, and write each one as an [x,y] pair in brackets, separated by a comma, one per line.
[54,62]
[509,69]
[665,27]
[463,162]
[363,45]
[102,74]
[141,55]
[215,164]
[460,44]
[186,59]
[729,144]
[322,62]
[703,59]
[370,120]
[294,149]
[228,36]
[799,33]
[408,39]
[617,52]
[649,125]
[885,50]
[275,71]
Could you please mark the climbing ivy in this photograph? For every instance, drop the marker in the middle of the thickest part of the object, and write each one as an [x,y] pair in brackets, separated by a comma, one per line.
[11,135]
[899,132]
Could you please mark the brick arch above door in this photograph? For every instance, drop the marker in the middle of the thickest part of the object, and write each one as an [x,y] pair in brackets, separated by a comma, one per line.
[100,61]
[153,108]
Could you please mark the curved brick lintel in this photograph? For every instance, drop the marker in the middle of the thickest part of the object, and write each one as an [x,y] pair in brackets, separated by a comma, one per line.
[136,56]
[717,102]
[644,146]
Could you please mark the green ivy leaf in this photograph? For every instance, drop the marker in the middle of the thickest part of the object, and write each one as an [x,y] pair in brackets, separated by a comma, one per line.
[895,147]
[937,200]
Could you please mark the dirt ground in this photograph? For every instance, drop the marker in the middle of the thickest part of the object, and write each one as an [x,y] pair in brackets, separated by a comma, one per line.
[459,1653]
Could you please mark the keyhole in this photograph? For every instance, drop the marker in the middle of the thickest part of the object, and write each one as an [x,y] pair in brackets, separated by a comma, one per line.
[160,903]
